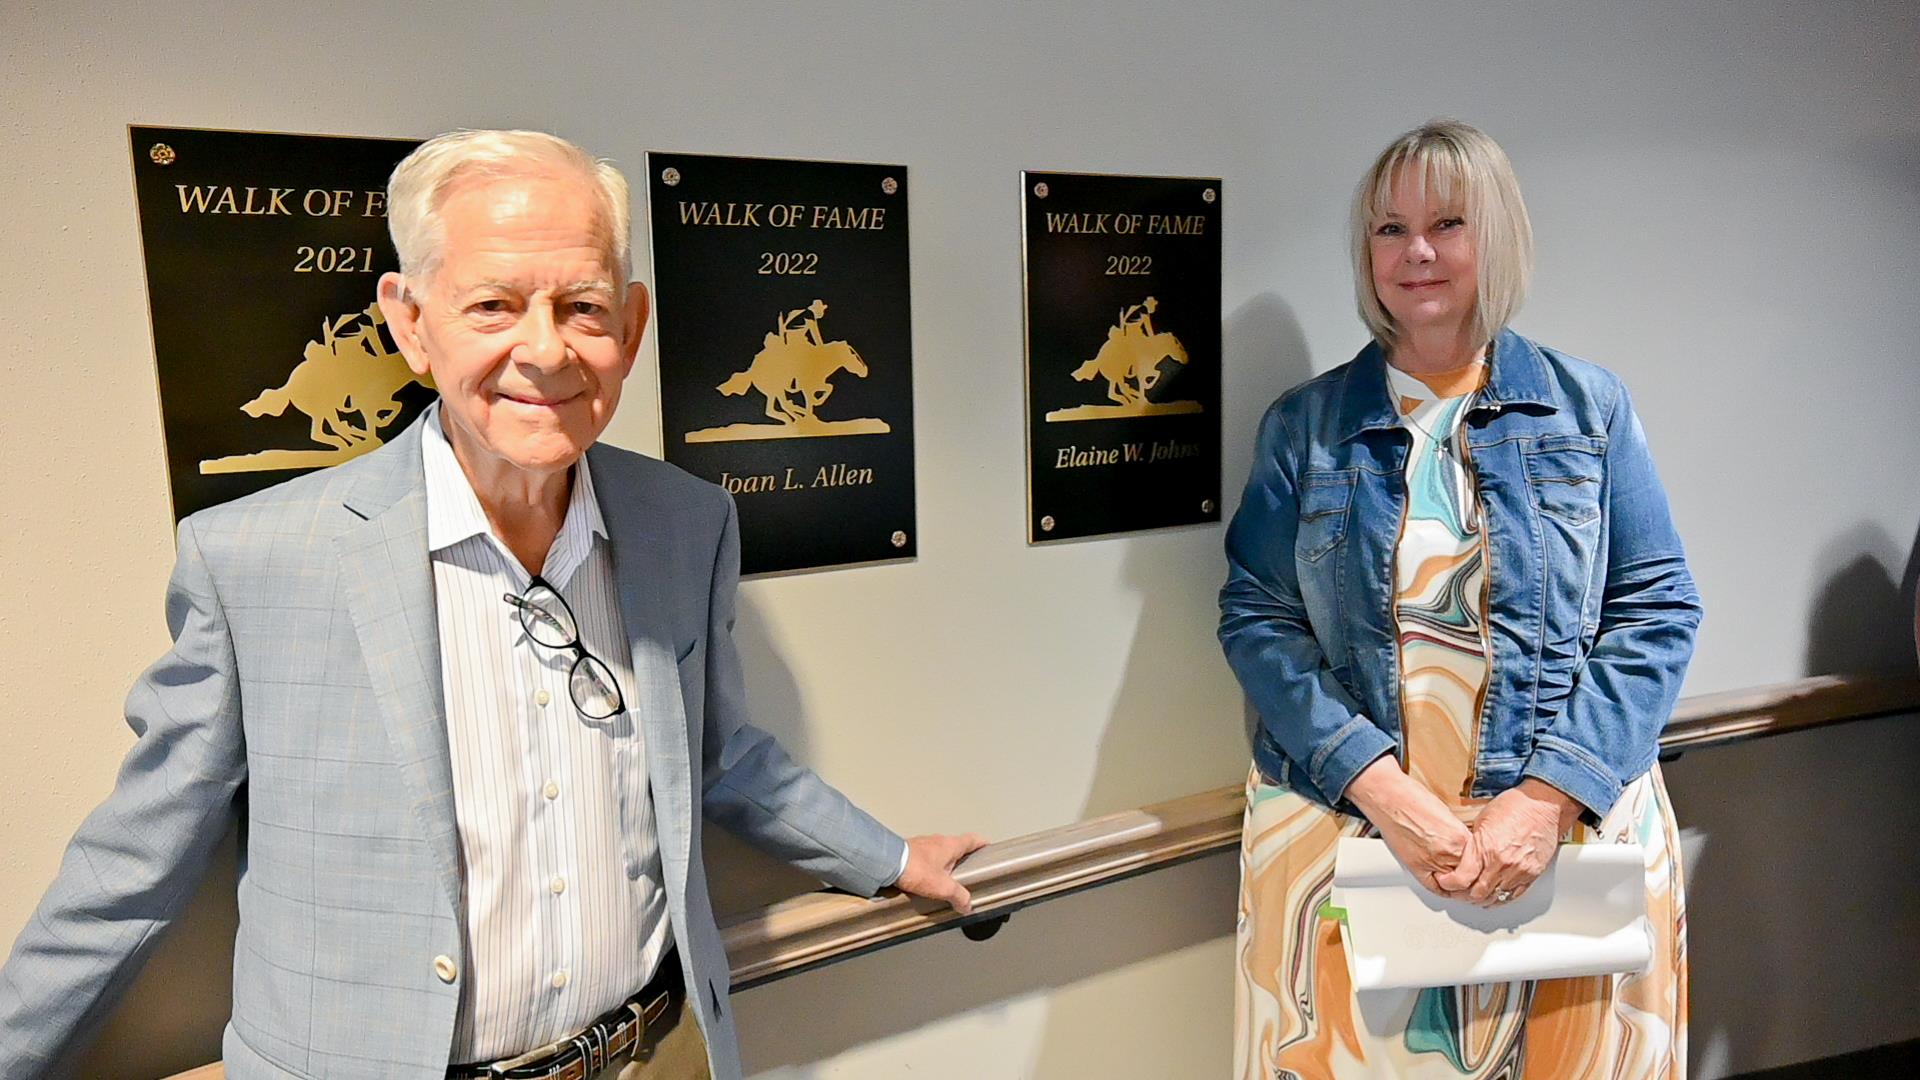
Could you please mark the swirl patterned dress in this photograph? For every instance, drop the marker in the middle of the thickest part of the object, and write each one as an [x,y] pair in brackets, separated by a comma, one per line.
[1297,1016]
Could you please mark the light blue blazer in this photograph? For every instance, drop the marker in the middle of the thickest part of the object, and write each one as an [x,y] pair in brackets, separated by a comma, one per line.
[302,695]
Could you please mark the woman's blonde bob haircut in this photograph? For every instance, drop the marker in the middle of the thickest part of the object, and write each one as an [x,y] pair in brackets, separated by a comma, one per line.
[1455,164]
[423,181]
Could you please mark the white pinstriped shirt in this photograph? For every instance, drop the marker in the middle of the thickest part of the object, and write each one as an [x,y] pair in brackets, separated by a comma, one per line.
[565,904]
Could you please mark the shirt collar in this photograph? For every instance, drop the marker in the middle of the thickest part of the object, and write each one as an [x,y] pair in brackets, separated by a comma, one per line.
[1437,386]
[454,513]
[1518,375]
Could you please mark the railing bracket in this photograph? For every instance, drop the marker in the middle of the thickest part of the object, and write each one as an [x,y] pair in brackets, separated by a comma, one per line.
[983,929]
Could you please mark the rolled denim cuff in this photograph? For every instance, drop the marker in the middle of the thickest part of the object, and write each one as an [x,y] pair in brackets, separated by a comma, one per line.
[1339,759]
[1572,769]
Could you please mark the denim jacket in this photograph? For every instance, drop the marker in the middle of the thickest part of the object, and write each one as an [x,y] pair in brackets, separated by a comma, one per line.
[1591,612]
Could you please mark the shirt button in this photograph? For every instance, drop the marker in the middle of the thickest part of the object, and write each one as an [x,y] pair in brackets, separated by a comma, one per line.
[443,966]
[551,791]
[559,980]
[633,870]
[541,698]
[558,884]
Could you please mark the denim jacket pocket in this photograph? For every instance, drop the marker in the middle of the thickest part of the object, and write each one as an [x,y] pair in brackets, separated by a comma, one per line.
[1324,499]
[1563,472]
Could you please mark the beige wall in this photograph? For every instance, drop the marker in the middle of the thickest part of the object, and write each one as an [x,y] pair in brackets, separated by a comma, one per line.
[1727,217]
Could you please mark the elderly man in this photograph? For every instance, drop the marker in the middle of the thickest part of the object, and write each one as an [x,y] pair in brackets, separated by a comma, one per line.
[468,695]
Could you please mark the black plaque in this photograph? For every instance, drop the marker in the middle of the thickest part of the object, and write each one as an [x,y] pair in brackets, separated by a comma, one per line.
[1123,353]
[786,350]
[262,251]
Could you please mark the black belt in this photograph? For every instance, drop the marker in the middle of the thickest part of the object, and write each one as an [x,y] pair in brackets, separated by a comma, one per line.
[620,1030]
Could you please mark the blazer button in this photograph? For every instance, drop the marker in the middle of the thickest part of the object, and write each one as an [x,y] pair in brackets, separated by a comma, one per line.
[443,966]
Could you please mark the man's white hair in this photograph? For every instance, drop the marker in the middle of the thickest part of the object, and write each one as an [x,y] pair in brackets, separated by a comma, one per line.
[422,182]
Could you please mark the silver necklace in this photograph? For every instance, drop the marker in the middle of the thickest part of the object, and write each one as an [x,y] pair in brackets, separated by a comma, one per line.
[1440,445]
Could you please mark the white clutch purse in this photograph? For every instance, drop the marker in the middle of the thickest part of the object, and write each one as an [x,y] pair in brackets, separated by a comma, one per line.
[1587,915]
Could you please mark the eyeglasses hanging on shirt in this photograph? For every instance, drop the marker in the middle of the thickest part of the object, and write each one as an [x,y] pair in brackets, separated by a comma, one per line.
[549,622]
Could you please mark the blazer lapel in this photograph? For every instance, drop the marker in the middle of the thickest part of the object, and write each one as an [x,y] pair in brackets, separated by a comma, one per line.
[389,585]
[635,527]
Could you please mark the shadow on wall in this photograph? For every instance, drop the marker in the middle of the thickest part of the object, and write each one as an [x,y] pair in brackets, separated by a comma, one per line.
[1894,160]
[1863,621]
[793,1025]
[172,1016]
[1263,343]
[1096,933]
[1265,347]
[1798,902]
[741,877]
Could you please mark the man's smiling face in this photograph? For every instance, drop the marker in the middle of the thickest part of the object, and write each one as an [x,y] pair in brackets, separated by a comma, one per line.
[524,324]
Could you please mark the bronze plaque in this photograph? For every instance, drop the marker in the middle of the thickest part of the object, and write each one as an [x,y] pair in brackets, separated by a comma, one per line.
[786,350]
[262,251]
[1123,353]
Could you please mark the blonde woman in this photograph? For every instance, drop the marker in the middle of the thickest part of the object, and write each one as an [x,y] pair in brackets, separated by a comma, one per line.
[1456,598]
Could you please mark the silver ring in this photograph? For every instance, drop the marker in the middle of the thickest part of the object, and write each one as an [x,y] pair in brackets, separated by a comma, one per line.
[1503,895]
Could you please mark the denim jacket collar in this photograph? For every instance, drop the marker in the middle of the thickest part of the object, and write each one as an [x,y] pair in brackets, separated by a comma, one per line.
[1519,377]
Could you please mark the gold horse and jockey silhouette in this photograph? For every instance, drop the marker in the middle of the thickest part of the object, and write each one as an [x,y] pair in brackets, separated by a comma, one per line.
[347,375]
[1130,361]
[792,372]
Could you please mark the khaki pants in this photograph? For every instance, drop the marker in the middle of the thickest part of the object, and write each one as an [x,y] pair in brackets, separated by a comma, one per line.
[680,1054]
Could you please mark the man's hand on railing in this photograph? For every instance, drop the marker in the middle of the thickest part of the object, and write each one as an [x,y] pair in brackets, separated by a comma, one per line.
[930,863]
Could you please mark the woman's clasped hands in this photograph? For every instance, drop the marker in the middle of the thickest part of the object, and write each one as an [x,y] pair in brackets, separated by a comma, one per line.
[1492,861]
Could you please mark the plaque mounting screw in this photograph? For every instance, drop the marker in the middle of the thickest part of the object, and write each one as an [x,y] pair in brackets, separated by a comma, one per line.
[670,176]
[899,538]
[1046,523]
[1206,506]
[1040,190]
[889,185]
[1209,195]
[162,154]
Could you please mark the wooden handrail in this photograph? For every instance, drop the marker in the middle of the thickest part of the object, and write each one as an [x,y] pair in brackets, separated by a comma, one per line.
[821,928]
[817,929]
[1736,715]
